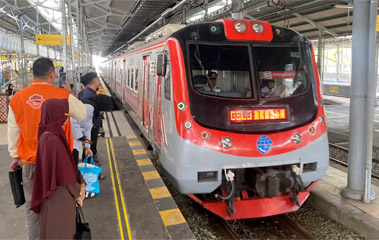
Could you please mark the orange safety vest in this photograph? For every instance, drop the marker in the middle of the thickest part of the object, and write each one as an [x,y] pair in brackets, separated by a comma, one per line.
[26,105]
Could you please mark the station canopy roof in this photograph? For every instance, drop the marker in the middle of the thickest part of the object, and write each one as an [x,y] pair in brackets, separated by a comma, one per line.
[112,24]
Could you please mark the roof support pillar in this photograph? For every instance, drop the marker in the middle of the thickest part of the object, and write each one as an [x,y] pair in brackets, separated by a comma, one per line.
[206,10]
[74,80]
[78,27]
[64,33]
[320,55]
[237,5]
[37,31]
[361,102]
[23,57]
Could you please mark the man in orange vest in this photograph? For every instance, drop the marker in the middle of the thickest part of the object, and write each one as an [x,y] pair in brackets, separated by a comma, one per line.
[23,121]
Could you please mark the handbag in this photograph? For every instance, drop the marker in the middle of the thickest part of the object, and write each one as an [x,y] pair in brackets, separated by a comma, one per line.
[15,179]
[90,173]
[82,228]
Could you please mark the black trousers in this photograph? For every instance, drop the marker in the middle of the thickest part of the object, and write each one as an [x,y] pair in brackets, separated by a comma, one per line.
[75,153]
[94,136]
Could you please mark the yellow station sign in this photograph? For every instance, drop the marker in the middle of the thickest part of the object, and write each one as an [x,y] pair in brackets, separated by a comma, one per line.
[4,58]
[51,39]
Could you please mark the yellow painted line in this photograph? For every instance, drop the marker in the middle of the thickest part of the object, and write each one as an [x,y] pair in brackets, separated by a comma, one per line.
[159,192]
[132,144]
[376,130]
[151,175]
[139,151]
[115,193]
[144,162]
[131,137]
[121,193]
[172,217]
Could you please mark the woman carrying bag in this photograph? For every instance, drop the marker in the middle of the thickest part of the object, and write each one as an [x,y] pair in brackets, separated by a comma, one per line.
[58,185]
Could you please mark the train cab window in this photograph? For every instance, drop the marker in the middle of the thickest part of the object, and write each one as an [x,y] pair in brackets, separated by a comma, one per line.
[282,71]
[221,70]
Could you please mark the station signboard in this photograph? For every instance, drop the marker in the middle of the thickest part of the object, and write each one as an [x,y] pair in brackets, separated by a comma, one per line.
[51,39]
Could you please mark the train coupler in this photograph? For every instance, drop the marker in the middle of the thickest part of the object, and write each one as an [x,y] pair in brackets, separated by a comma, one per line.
[297,186]
[231,197]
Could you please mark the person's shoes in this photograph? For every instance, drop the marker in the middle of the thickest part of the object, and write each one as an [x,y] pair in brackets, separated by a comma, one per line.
[101,176]
[91,195]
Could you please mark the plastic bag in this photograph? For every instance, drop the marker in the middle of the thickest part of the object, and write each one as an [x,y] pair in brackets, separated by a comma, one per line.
[90,173]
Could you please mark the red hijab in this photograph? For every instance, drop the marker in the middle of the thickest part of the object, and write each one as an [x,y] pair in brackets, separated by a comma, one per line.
[55,164]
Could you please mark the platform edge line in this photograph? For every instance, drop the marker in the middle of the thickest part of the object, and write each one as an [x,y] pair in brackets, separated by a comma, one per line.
[121,192]
[115,192]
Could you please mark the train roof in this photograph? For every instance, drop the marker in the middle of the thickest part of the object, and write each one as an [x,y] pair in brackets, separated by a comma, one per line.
[157,36]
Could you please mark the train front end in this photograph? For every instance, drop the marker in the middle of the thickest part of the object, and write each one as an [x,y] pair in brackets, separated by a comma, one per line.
[252,142]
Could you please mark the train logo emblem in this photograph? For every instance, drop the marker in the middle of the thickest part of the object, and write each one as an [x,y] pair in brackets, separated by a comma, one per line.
[264,144]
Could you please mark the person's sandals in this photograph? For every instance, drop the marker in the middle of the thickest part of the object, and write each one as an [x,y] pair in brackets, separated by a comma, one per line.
[101,176]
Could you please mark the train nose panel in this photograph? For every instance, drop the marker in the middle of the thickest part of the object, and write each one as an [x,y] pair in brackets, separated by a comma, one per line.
[255,207]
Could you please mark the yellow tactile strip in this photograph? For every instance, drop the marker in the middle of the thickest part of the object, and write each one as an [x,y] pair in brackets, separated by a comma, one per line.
[171,217]
[151,175]
[144,162]
[159,192]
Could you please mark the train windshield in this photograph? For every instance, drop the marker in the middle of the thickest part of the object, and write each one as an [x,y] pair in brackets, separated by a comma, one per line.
[281,70]
[225,70]
[221,70]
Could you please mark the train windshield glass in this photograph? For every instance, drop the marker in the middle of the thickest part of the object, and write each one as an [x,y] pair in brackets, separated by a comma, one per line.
[281,70]
[221,70]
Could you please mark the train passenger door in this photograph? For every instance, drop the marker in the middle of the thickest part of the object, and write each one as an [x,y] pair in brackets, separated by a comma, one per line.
[145,94]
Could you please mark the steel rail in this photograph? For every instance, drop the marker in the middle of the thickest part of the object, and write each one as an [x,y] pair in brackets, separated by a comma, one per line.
[299,231]
[347,150]
[346,164]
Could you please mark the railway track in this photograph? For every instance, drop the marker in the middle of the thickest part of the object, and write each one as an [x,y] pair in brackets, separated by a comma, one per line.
[345,164]
[298,230]
[292,229]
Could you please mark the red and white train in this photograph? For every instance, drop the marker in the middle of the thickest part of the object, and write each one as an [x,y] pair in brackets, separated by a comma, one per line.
[250,145]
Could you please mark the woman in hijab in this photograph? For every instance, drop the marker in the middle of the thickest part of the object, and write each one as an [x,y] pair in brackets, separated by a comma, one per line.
[58,185]
[10,91]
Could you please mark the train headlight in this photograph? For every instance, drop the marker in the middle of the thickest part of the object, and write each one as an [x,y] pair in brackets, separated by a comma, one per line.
[312,130]
[240,27]
[296,138]
[321,119]
[226,142]
[258,28]
[188,124]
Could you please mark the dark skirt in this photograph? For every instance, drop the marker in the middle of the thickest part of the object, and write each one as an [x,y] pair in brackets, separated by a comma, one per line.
[58,213]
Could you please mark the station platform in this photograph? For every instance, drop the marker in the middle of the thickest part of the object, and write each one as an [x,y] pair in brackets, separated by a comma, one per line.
[133,203]
[356,215]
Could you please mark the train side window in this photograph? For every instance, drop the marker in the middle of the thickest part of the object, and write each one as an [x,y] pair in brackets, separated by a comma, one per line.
[132,78]
[128,83]
[136,80]
[119,72]
[167,81]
